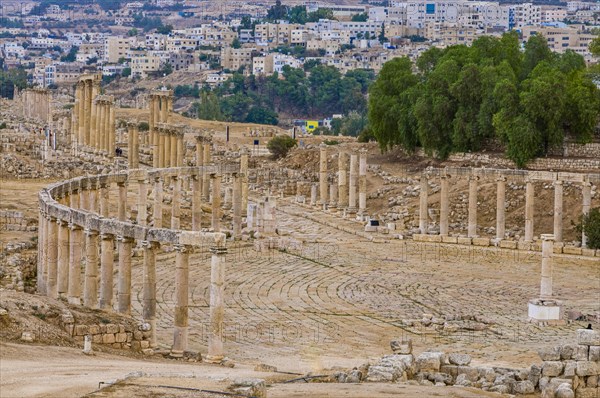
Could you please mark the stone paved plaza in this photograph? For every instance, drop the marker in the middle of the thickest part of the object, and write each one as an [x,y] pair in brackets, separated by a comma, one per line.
[338,298]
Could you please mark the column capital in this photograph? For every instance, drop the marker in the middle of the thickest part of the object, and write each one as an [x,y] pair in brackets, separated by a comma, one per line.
[586,184]
[558,182]
[150,244]
[218,250]
[125,239]
[547,237]
[121,183]
[473,177]
[74,227]
[90,232]
[501,178]
[183,248]
[106,236]
[62,223]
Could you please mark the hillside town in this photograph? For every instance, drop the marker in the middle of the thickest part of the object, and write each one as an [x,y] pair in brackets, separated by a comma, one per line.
[57,41]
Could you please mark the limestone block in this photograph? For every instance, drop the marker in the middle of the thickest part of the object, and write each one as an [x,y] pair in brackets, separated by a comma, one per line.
[581,353]
[121,337]
[567,351]
[591,381]
[136,345]
[144,344]
[587,368]
[137,335]
[552,368]
[508,244]
[81,330]
[380,374]
[535,372]
[570,368]
[122,329]
[102,328]
[564,391]
[397,361]
[429,361]
[116,345]
[588,337]
[449,239]
[94,329]
[572,250]
[459,359]
[524,387]
[549,353]
[587,392]
[594,354]
[525,245]
[108,338]
[97,338]
[481,241]
[470,373]
[463,240]
[129,337]
[249,387]
[401,347]
[111,328]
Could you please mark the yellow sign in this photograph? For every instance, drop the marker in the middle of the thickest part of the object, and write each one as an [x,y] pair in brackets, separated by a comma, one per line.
[312,125]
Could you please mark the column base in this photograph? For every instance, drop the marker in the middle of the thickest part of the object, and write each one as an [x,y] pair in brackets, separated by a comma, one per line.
[213,358]
[74,300]
[176,354]
[545,311]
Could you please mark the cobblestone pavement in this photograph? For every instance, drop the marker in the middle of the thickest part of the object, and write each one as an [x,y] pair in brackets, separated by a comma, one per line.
[338,298]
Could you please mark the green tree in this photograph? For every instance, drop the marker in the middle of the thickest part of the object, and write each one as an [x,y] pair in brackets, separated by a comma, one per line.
[277,11]
[208,108]
[280,146]
[11,78]
[536,51]
[321,13]
[261,115]
[71,56]
[236,43]
[126,72]
[362,17]
[164,29]
[297,14]
[591,227]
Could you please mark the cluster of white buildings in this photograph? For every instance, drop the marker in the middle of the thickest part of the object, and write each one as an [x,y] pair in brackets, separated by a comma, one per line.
[269,47]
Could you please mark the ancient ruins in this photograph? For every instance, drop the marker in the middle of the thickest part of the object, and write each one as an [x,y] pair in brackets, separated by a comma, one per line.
[185,232]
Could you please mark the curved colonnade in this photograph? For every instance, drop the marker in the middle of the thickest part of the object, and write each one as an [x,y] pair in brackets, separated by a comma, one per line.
[74,215]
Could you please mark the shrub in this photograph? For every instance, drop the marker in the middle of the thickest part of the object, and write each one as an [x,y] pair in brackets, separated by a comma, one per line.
[143,126]
[590,225]
[280,146]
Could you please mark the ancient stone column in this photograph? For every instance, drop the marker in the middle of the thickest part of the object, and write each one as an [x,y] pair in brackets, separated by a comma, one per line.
[244,176]
[142,205]
[529,196]
[164,111]
[75,253]
[423,215]
[558,210]
[111,132]
[167,149]
[237,206]
[180,335]
[362,182]
[63,258]
[217,299]
[161,147]
[472,226]
[52,261]
[586,191]
[122,205]
[155,145]
[124,245]
[84,196]
[176,203]
[88,108]
[173,149]
[228,200]
[90,287]
[444,204]
[547,251]
[106,271]
[323,176]
[353,182]
[100,124]
[94,122]
[93,192]
[180,150]
[199,152]
[216,201]
[158,202]
[333,193]
[104,200]
[81,109]
[342,181]
[42,244]
[196,203]
[500,207]
[313,195]
[149,283]
[206,176]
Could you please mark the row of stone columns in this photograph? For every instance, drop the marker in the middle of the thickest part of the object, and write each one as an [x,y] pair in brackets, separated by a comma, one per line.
[103,127]
[161,108]
[36,103]
[85,112]
[343,195]
[169,147]
[59,275]
[500,207]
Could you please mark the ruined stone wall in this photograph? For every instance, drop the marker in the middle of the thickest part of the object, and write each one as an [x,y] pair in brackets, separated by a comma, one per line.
[571,149]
